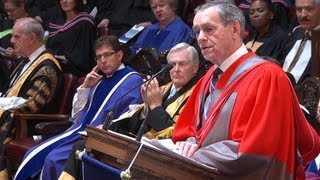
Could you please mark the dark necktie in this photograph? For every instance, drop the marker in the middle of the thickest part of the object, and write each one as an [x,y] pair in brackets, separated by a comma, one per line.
[215,77]
[210,98]
[304,40]
[17,71]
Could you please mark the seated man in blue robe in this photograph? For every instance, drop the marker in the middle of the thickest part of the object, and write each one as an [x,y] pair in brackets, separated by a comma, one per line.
[95,98]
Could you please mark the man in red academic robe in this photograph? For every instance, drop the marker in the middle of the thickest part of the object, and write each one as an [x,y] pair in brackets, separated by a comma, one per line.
[246,122]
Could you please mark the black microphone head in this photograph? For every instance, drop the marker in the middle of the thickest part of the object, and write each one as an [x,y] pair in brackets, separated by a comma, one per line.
[108,120]
[167,67]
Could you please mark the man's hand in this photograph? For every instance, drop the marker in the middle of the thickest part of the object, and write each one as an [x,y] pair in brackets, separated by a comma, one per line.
[144,92]
[10,52]
[92,78]
[152,94]
[104,23]
[100,126]
[186,148]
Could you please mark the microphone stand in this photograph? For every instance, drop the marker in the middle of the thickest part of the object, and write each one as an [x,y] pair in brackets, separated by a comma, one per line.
[141,130]
[144,123]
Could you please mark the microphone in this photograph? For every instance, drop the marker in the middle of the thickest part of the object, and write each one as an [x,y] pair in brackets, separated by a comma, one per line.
[108,120]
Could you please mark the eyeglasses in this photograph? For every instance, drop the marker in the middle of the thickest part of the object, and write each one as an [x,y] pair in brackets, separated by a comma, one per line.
[104,55]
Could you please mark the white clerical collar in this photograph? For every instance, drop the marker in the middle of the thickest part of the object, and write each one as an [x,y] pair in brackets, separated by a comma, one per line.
[234,57]
[119,68]
[33,57]
[36,53]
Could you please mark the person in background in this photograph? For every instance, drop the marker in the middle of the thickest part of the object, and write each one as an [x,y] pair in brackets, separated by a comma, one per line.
[15,9]
[162,105]
[95,98]
[243,116]
[39,10]
[167,32]
[266,38]
[36,79]
[125,14]
[281,11]
[296,55]
[72,39]
[161,108]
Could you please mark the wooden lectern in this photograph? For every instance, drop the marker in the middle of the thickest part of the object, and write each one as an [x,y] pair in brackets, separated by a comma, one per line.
[151,163]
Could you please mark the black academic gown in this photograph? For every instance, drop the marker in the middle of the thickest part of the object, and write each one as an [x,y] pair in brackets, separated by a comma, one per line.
[104,7]
[273,42]
[281,14]
[76,44]
[5,24]
[127,13]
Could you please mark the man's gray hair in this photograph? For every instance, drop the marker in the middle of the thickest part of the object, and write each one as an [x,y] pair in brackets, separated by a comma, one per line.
[228,12]
[193,53]
[318,2]
[31,25]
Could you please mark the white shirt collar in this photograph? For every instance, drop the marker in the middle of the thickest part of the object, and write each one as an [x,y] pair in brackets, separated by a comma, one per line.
[234,57]
[33,57]
[36,53]
[119,68]
[317,28]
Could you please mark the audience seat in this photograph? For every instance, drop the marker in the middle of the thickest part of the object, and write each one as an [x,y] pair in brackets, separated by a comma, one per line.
[17,147]
[148,62]
[9,63]
[308,93]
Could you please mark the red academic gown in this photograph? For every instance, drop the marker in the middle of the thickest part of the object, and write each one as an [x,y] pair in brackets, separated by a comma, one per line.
[265,131]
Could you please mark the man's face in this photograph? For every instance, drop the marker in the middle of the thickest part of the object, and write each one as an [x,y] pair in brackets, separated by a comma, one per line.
[213,36]
[183,68]
[20,41]
[162,10]
[14,12]
[108,60]
[308,13]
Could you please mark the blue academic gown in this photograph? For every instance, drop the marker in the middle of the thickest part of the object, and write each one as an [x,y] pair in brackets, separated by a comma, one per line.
[163,39]
[51,155]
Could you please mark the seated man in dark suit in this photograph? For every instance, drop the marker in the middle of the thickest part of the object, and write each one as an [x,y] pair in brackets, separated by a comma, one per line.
[296,55]
[35,82]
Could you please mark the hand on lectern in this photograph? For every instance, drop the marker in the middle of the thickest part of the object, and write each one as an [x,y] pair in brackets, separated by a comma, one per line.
[186,148]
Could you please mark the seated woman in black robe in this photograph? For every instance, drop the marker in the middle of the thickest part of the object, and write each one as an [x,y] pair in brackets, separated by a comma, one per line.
[71,38]
[266,39]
